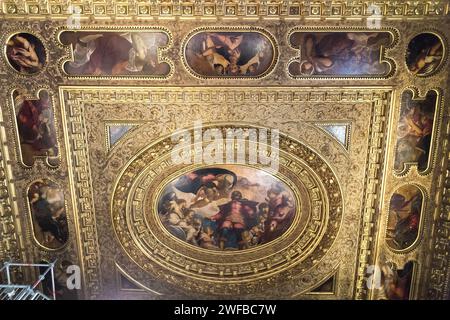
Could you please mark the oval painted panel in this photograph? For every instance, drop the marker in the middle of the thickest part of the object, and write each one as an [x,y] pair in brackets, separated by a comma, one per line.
[230,54]
[25,53]
[227,207]
[425,54]
[48,213]
[405,210]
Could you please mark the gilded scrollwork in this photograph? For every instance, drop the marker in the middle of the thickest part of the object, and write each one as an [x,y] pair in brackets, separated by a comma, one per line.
[167,249]
[438,279]
[83,209]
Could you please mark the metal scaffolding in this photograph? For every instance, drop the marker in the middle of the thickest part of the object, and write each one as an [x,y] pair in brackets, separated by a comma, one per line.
[11,291]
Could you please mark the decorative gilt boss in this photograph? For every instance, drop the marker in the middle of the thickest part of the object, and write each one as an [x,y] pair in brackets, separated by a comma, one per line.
[103,161]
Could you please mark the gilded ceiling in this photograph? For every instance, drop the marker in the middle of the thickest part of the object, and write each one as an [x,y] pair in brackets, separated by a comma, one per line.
[228,149]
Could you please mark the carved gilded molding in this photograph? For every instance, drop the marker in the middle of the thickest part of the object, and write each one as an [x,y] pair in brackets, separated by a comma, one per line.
[11,248]
[372,187]
[229,9]
[438,284]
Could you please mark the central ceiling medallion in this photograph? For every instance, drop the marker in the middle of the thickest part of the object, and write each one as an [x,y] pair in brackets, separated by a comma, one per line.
[209,228]
[227,207]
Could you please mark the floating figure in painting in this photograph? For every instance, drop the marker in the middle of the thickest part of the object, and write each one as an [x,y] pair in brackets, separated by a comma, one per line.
[221,64]
[111,53]
[47,205]
[207,184]
[414,131]
[280,208]
[25,53]
[339,53]
[226,208]
[236,54]
[36,128]
[404,217]
[425,54]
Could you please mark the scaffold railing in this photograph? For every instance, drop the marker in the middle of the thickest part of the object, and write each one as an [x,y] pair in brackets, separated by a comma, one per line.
[14,291]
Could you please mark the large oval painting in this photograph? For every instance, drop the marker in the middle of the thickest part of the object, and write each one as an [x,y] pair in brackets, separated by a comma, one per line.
[227,207]
[230,54]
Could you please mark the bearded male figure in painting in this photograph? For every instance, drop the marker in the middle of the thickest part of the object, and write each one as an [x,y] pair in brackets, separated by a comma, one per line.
[233,219]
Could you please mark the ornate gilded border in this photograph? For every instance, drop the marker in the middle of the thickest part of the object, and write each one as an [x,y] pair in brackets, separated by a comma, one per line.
[12,243]
[203,271]
[81,193]
[438,279]
[375,171]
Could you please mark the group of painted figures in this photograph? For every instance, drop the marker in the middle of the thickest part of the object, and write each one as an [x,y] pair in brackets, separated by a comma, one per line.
[209,208]
[227,53]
